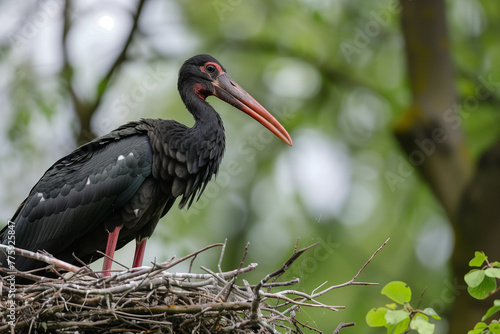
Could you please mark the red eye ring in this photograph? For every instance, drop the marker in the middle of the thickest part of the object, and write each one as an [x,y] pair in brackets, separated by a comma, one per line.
[210,68]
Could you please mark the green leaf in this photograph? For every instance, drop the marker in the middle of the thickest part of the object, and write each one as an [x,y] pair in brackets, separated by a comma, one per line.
[492,272]
[492,310]
[422,326]
[431,313]
[423,316]
[480,325]
[376,317]
[478,260]
[478,328]
[474,278]
[481,291]
[402,325]
[391,306]
[494,327]
[495,264]
[395,317]
[398,291]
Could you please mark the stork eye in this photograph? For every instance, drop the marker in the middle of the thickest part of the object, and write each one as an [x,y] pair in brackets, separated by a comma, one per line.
[210,68]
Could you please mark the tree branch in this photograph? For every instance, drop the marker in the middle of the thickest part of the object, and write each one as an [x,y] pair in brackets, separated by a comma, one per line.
[86,109]
[430,131]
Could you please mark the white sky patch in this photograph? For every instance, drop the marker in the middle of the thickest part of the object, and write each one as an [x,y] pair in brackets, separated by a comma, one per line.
[289,77]
[434,243]
[361,205]
[106,22]
[318,169]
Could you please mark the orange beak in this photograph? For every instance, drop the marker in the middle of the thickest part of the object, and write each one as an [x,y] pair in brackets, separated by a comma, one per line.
[229,91]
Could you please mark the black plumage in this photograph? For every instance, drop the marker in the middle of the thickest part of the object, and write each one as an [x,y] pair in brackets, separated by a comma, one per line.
[127,180]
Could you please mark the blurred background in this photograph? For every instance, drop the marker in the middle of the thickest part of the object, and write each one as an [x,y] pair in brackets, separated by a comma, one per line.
[392,107]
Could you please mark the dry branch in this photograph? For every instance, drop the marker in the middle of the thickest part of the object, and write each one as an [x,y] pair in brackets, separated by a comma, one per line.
[154,299]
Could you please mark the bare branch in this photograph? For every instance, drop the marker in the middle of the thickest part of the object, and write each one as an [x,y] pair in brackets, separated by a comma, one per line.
[47,258]
[342,325]
[85,109]
[151,299]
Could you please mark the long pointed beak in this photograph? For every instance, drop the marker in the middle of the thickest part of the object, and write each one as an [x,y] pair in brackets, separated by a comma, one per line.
[229,91]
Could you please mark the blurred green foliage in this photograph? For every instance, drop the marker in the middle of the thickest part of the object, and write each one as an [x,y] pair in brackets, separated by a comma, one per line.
[481,283]
[333,72]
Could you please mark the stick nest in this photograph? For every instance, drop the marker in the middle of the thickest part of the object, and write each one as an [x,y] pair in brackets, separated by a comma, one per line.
[156,299]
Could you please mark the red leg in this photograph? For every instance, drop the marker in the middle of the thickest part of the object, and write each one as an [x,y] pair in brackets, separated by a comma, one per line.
[140,247]
[110,251]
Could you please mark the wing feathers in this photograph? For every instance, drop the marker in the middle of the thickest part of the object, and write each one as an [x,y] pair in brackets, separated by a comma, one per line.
[79,191]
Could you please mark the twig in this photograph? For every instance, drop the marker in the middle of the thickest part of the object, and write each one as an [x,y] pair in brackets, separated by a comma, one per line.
[170,264]
[179,309]
[113,260]
[49,259]
[421,297]
[283,268]
[351,282]
[294,251]
[342,325]
[219,264]
[233,280]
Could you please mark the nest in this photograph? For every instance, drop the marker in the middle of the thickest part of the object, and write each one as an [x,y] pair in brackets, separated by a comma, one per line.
[157,299]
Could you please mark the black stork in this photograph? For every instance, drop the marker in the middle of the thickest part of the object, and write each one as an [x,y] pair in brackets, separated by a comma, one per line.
[117,187]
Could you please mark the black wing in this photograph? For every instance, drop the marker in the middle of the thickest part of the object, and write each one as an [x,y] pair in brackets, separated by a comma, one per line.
[80,191]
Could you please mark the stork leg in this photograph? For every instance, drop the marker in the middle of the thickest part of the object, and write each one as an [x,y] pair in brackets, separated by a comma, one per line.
[140,247]
[110,251]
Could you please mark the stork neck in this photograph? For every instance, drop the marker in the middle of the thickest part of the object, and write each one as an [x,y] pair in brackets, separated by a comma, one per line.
[204,114]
